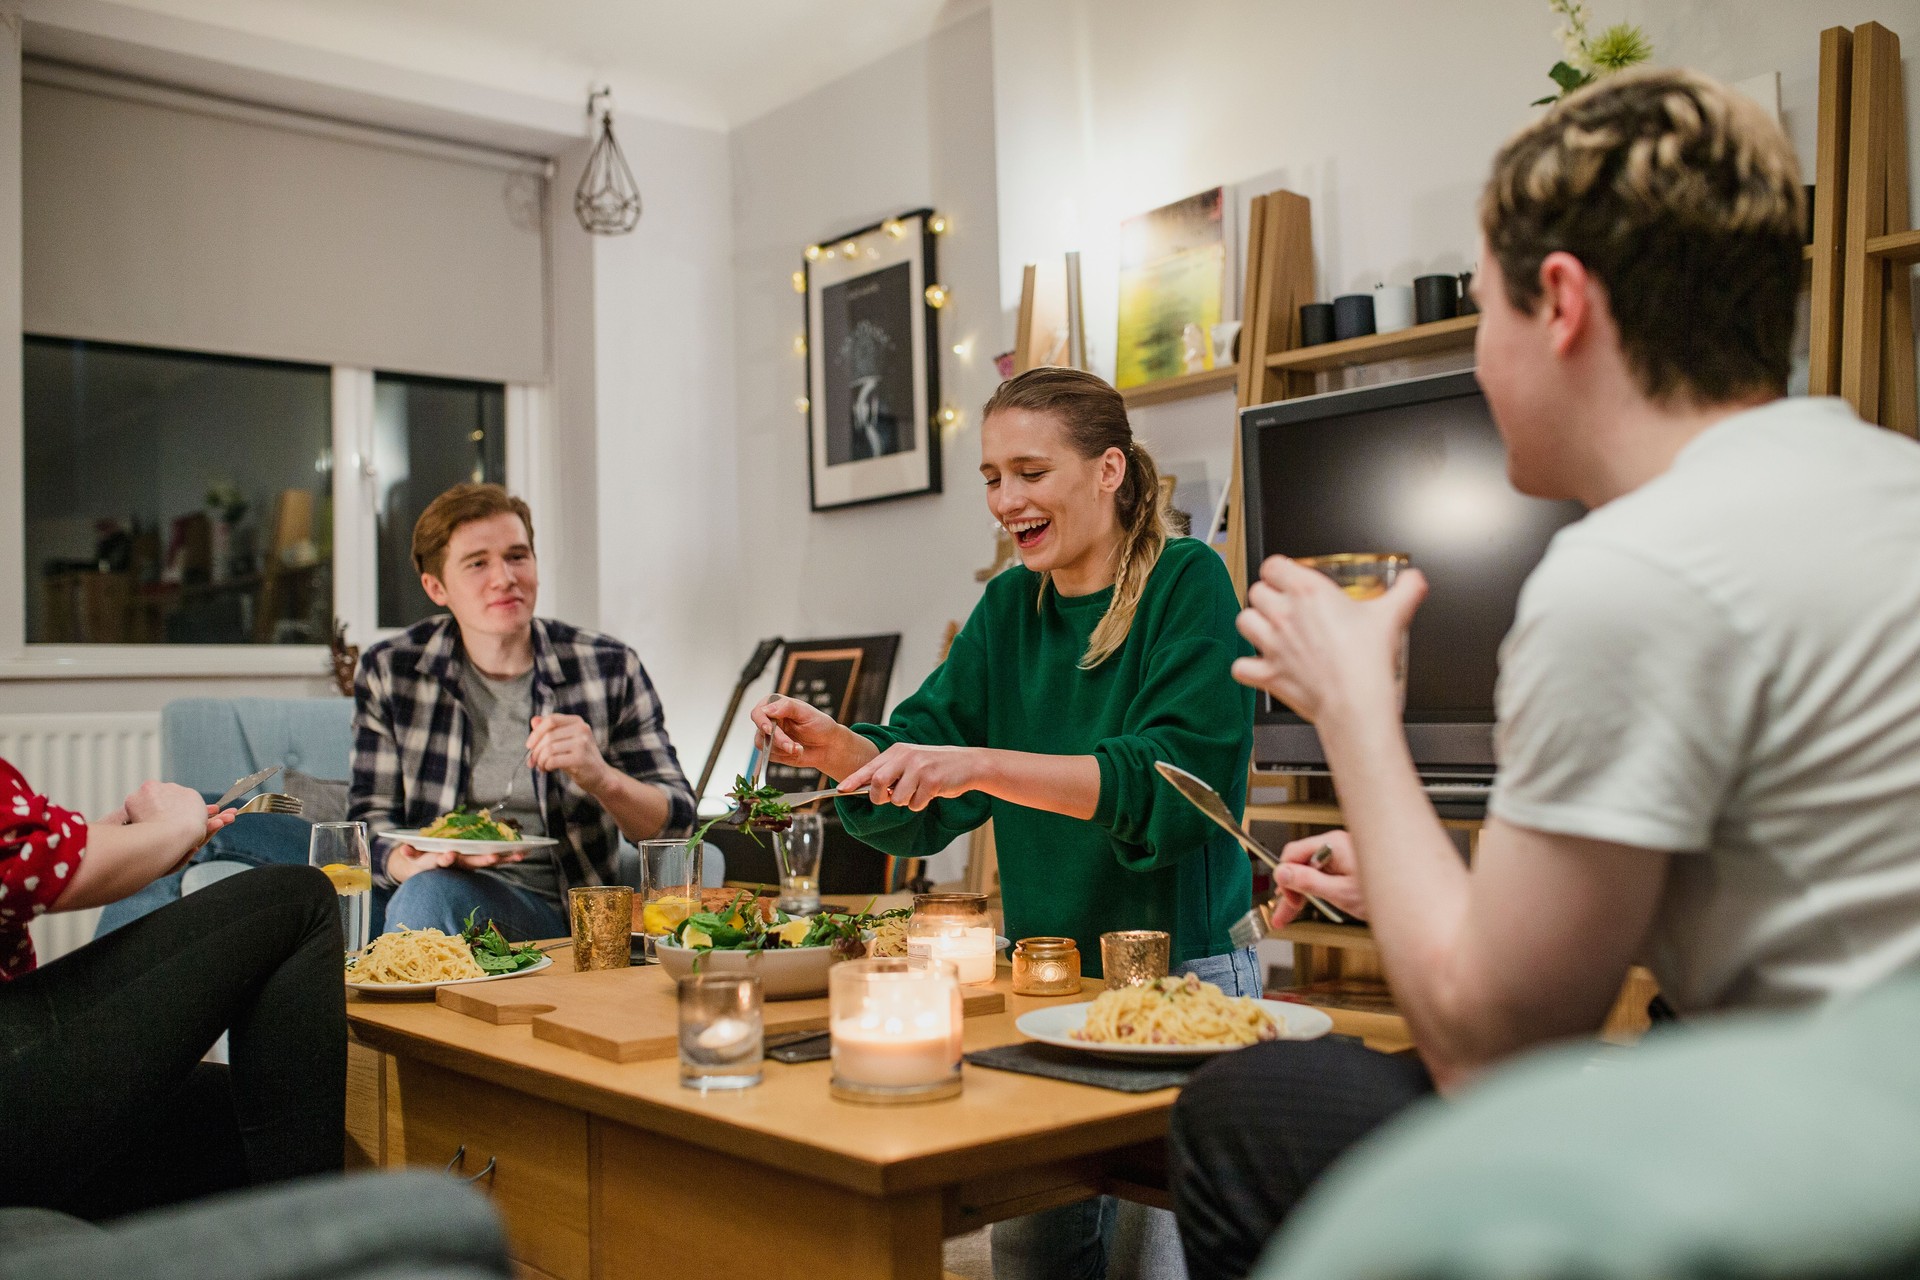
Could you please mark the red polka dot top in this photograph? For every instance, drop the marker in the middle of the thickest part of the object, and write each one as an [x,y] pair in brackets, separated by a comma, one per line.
[41,845]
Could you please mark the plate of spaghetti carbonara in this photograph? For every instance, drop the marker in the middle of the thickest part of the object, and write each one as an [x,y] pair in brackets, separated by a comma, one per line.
[418,962]
[1176,1017]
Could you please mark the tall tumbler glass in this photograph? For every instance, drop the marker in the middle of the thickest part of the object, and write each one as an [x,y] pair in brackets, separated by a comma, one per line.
[669,887]
[798,850]
[340,850]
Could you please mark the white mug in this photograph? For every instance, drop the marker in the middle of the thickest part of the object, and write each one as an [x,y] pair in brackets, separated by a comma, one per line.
[1392,307]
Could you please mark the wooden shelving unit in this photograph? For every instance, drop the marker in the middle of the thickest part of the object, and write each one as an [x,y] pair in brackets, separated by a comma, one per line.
[1900,248]
[1308,814]
[1180,387]
[1421,340]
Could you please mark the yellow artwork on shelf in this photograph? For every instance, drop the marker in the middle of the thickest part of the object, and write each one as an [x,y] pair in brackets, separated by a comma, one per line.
[1173,273]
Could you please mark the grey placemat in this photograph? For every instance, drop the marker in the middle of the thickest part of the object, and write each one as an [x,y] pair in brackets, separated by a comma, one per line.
[1065,1064]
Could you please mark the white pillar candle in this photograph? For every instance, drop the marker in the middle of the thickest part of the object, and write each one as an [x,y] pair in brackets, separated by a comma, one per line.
[897,1030]
[876,1055]
[969,950]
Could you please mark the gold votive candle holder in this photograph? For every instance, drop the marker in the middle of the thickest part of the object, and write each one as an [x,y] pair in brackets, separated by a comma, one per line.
[1131,957]
[602,917]
[1046,967]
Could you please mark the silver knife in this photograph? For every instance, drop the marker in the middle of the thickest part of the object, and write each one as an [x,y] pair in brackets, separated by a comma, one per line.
[1208,801]
[245,785]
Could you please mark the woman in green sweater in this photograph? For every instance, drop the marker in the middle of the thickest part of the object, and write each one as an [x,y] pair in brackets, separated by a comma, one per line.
[1109,650]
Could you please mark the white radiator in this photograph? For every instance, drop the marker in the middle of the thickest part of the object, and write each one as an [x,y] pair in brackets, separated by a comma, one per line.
[83,761]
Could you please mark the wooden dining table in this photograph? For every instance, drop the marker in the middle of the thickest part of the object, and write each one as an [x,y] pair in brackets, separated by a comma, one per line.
[604,1169]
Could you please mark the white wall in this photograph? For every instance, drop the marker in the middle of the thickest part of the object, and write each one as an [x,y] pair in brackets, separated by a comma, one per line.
[913,129]
[1385,115]
[663,355]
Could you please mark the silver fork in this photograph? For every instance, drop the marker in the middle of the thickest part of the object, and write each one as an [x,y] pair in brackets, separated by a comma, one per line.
[513,779]
[1250,928]
[272,802]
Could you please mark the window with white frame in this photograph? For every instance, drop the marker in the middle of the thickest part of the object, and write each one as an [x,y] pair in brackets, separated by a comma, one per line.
[176,497]
[256,344]
[429,434]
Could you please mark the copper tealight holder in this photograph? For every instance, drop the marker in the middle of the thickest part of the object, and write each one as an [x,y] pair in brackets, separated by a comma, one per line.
[1046,967]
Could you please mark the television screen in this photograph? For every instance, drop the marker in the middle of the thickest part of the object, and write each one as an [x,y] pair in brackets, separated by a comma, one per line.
[1414,467]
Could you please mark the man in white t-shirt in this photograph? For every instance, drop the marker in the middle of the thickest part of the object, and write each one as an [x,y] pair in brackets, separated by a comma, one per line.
[1709,704]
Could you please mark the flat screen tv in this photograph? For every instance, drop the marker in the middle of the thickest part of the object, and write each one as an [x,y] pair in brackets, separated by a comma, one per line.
[1415,467]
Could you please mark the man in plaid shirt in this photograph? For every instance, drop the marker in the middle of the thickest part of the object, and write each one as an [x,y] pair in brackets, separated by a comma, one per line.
[553,727]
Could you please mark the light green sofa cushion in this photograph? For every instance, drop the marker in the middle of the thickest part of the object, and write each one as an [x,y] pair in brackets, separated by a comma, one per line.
[1743,1148]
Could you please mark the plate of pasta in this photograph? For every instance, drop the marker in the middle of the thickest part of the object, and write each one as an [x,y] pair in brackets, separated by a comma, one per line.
[469,831]
[406,963]
[1175,1017]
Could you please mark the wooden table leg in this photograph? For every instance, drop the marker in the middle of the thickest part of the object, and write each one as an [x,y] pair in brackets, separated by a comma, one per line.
[658,1202]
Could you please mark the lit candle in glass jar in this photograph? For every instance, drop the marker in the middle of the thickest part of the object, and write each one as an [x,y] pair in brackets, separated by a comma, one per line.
[896,1027]
[954,927]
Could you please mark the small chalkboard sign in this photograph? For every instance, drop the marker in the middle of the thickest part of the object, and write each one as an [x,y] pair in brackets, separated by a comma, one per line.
[846,678]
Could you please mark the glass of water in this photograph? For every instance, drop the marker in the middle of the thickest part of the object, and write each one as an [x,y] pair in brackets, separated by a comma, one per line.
[340,850]
[722,1033]
[798,851]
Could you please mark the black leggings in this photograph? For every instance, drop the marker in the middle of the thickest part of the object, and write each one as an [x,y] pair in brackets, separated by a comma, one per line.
[1254,1130]
[105,1104]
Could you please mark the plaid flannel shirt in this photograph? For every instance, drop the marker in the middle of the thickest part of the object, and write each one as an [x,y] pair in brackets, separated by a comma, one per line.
[410,738]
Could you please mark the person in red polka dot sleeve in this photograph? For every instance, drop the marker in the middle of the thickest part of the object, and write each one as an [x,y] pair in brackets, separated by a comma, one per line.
[51,860]
[108,1105]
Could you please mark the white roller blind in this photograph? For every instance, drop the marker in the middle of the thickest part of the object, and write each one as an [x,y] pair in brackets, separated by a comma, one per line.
[155,218]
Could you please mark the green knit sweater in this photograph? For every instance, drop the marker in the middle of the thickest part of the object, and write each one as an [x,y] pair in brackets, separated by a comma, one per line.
[1147,859]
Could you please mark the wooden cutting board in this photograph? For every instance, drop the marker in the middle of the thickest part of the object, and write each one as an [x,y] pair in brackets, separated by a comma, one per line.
[628,1015]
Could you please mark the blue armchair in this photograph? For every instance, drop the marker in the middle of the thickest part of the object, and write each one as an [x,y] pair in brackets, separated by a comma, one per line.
[205,743]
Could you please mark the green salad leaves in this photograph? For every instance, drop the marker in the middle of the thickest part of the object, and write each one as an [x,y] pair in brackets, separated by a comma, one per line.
[491,950]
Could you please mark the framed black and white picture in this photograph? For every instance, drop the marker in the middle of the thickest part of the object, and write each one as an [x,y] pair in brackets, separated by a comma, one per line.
[872,365]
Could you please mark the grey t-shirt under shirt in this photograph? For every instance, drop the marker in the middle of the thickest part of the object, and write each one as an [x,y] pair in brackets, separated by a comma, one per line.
[499,715]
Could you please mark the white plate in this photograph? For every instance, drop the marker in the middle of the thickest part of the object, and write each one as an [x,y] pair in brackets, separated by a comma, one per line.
[1056,1024]
[442,844]
[408,990]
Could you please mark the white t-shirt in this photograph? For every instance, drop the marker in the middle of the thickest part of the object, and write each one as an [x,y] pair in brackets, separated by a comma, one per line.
[1725,664]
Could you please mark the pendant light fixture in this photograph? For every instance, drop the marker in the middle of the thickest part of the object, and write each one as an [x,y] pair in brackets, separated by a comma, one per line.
[607,201]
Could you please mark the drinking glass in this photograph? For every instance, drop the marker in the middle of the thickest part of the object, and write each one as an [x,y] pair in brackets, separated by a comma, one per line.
[340,850]
[722,1033]
[1365,575]
[798,850]
[669,885]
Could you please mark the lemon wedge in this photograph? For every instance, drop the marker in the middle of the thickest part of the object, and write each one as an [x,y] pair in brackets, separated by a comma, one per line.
[793,932]
[694,936]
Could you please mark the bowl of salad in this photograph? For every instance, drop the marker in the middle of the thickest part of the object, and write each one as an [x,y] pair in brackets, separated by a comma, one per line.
[789,954]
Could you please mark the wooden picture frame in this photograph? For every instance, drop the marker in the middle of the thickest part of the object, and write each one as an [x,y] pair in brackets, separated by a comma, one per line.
[846,677]
[873,365]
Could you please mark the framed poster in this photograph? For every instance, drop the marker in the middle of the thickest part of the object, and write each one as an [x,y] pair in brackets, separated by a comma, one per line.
[873,382]
[847,678]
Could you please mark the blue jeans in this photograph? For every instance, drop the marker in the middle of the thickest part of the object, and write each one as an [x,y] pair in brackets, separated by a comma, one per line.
[442,897]
[1105,1237]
